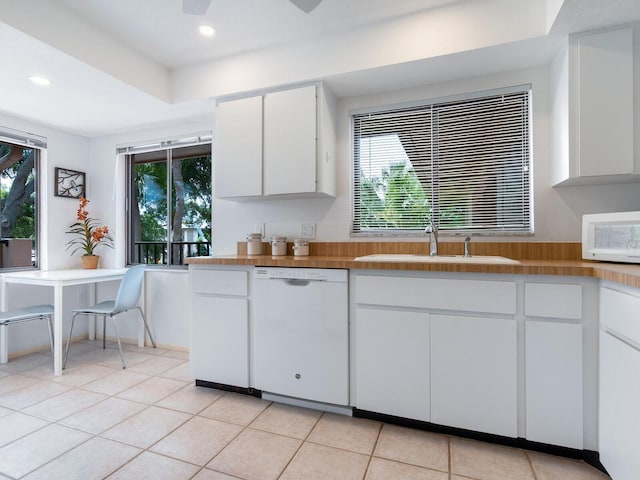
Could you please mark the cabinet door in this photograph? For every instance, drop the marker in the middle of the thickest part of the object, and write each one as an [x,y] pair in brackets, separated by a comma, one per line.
[238,148]
[392,362]
[473,373]
[219,343]
[553,376]
[290,141]
[605,96]
[619,413]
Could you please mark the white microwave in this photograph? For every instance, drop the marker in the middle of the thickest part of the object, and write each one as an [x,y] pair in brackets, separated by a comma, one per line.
[611,237]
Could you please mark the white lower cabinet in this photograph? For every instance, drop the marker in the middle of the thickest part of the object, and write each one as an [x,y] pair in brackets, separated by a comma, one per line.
[619,408]
[392,362]
[219,350]
[457,369]
[514,356]
[554,387]
[619,412]
[474,373]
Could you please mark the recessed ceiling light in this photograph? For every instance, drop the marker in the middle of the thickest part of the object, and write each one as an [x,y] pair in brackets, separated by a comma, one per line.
[39,80]
[207,30]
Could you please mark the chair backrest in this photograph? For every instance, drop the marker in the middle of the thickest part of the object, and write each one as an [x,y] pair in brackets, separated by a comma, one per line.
[130,288]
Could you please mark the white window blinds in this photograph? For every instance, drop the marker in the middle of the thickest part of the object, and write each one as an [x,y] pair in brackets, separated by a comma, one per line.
[466,163]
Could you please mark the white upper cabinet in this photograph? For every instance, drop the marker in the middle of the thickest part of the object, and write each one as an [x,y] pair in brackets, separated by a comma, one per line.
[280,143]
[604,88]
[593,98]
[290,141]
[238,148]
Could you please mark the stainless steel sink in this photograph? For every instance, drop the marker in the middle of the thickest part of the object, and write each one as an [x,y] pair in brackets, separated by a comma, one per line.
[417,258]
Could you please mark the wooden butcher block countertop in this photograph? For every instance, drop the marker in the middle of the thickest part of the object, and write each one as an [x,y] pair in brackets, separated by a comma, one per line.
[535,258]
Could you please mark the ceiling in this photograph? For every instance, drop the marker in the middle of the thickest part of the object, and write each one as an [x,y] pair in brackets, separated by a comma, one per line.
[168,36]
[119,65]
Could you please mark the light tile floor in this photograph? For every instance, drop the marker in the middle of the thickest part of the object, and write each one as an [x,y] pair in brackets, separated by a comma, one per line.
[150,422]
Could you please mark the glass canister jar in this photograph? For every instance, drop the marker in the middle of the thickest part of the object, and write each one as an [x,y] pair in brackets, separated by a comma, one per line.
[301,247]
[254,244]
[278,246]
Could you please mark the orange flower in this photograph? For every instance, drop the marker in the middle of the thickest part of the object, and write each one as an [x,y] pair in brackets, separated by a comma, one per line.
[99,233]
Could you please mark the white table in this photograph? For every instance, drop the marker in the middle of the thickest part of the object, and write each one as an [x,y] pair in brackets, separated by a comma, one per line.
[58,279]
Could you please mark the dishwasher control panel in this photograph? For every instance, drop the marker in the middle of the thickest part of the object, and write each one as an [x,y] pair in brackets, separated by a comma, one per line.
[315,274]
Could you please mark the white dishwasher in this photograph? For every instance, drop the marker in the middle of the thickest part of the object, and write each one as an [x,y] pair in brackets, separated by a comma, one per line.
[301,339]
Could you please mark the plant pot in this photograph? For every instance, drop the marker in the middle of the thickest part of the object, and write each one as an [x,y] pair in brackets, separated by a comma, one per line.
[90,262]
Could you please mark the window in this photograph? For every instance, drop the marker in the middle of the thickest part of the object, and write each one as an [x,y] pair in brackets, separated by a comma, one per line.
[169,204]
[18,205]
[465,164]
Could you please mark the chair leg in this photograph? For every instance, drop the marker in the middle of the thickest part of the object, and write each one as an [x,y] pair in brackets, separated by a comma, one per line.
[66,351]
[50,325]
[4,344]
[104,332]
[115,330]
[146,326]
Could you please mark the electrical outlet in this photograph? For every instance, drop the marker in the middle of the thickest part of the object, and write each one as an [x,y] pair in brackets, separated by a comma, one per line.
[308,230]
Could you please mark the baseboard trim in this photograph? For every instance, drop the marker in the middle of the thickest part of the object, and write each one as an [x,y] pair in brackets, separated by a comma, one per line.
[589,456]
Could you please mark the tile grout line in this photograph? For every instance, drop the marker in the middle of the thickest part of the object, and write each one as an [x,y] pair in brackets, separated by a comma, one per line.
[530,462]
[450,460]
[142,449]
[304,440]
[373,450]
[244,428]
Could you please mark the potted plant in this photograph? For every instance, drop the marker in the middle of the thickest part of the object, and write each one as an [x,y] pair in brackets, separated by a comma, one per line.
[87,236]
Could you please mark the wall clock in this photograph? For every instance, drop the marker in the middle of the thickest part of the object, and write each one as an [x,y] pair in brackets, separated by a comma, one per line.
[70,183]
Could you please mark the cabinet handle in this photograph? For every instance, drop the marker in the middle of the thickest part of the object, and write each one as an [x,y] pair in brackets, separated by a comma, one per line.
[295,282]
[297,375]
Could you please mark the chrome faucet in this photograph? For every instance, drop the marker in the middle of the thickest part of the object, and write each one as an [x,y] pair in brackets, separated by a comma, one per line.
[432,230]
[467,244]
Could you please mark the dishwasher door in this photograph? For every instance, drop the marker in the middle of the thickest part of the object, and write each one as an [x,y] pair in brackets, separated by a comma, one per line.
[301,340]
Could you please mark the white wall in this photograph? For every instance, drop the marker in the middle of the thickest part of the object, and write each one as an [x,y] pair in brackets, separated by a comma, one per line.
[57,213]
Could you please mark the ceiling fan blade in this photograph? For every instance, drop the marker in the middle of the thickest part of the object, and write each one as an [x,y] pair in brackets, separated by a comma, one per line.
[195,7]
[306,5]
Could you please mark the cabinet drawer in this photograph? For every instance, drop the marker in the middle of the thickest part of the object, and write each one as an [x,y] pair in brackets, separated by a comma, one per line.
[220,282]
[553,300]
[620,312]
[436,293]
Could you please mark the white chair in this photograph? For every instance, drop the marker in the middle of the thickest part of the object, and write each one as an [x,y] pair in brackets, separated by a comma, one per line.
[126,299]
[27,314]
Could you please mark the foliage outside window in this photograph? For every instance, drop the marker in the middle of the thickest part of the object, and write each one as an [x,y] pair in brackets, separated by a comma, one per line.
[18,205]
[169,205]
[465,164]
